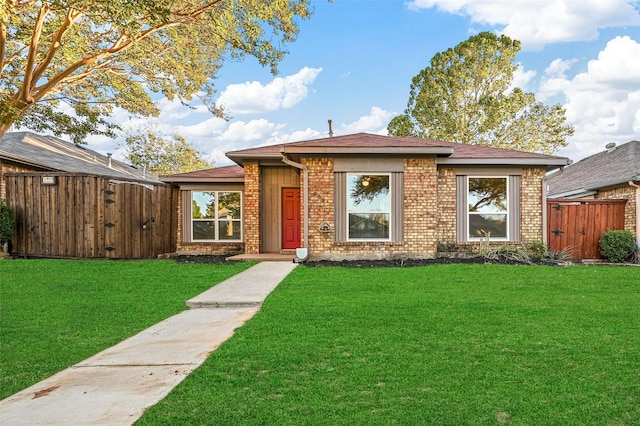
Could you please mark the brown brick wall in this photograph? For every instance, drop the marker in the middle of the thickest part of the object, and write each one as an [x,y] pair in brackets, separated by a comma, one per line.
[420,214]
[446,206]
[531,224]
[626,192]
[531,205]
[252,242]
[217,248]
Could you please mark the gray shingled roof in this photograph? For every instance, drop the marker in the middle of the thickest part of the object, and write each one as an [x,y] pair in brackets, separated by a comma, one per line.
[601,170]
[54,154]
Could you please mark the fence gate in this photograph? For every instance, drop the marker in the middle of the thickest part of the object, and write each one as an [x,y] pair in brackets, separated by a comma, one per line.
[578,225]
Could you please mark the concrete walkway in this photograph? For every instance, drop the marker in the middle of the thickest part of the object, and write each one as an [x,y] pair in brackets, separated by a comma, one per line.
[117,385]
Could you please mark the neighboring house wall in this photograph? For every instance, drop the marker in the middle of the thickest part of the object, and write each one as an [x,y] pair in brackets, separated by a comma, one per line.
[10,167]
[626,192]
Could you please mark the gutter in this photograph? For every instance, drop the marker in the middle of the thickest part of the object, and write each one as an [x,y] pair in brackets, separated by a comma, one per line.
[637,210]
[303,252]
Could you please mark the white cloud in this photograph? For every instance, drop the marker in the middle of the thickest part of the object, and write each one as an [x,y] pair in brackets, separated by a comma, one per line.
[538,22]
[558,67]
[282,92]
[522,78]
[254,130]
[602,102]
[375,122]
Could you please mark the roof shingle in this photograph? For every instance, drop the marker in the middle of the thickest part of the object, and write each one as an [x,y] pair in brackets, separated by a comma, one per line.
[607,168]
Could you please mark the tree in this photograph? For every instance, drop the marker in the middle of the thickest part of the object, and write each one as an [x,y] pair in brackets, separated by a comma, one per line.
[7,224]
[65,64]
[162,154]
[466,96]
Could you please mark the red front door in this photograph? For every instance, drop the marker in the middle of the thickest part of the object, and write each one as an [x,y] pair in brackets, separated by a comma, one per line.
[290,218]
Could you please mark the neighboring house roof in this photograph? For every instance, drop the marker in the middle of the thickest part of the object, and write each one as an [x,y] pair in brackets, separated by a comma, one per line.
[608,168]
[49,153]
[365,143]
[219,174]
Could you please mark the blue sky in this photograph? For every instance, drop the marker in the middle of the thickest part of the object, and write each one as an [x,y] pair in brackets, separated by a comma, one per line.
[354,60]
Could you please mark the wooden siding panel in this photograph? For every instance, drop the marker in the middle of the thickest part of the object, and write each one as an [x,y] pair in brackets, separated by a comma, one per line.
[273,180]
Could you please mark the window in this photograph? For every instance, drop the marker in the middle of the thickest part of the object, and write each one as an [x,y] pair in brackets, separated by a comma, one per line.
[368,207]
[488,208]
[216,216]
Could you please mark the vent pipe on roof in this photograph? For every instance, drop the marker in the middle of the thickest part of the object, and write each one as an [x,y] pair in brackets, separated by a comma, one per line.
[330,128]
[610,146]
[109,159]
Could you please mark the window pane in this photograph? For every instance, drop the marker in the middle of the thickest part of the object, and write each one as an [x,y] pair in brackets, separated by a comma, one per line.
[204,230]
[368,193]
[371,225]
[483,225]
[229,205]
[203,205]
[229,230]
[487,195]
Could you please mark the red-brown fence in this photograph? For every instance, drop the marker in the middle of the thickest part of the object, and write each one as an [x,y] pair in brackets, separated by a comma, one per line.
[578,225]
[88,216]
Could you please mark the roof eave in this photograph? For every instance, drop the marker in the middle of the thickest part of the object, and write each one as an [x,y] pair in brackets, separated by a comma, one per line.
[17,159]
[240,158]
[169,179]
[576,193]
[549,163]
[351,150]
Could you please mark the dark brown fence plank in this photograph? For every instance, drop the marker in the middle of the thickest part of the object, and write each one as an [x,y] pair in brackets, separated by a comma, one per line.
[581,224]
[68,219]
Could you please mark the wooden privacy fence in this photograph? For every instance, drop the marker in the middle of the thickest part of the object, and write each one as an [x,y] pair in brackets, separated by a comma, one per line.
[578,225]
[89,216]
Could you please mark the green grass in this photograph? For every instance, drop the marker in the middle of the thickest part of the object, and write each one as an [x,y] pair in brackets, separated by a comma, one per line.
[445,344]
[55,313]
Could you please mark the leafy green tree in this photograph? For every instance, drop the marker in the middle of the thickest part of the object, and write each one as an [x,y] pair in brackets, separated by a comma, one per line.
[466,95]
[163,155]
[94,55]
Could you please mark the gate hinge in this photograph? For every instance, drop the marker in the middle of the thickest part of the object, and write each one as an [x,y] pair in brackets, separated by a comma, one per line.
[109,225]
[109,192]
[559,207]
[558,231]
[109,248]
[109,201]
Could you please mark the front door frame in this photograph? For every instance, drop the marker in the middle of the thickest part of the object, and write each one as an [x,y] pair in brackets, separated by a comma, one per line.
[291,220]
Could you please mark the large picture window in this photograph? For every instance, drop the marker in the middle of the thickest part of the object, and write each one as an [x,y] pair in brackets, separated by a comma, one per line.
[368,206]
[216,216]
[488,208]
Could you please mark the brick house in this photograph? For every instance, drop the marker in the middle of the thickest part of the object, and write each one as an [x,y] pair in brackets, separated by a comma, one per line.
[364,196]
[613,174]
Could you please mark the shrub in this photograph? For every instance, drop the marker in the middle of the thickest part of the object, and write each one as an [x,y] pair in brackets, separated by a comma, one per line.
[537,249]
[617,246]
[7,223]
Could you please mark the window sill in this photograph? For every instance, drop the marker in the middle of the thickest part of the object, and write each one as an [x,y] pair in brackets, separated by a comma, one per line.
[368,243]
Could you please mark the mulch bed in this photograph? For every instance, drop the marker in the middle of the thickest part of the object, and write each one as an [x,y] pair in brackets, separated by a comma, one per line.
[377,263]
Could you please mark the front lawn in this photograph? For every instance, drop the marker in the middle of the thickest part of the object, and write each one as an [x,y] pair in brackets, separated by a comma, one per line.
[55,313]
[442,344]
